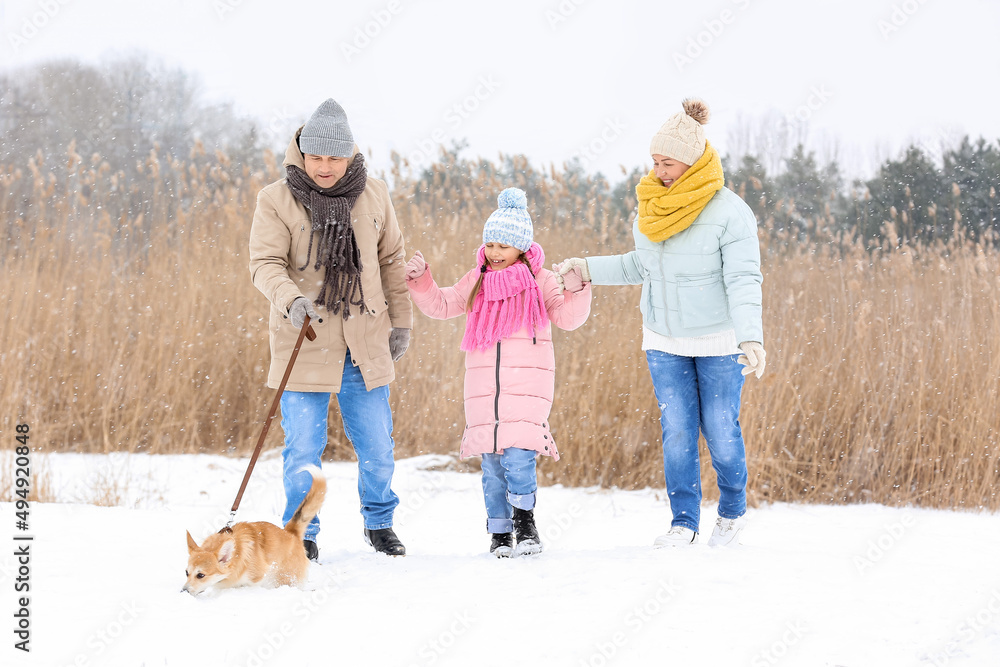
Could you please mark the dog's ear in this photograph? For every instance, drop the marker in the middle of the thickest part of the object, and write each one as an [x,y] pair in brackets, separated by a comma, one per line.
[192,545]
[226,551]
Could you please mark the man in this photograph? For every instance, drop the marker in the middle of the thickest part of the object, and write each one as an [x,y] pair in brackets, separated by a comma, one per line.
[325,243]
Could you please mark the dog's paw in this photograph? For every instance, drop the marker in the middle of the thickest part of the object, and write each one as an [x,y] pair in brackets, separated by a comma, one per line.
[309,584]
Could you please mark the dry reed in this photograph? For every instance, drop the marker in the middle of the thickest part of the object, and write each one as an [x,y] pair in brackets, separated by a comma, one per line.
[145,335]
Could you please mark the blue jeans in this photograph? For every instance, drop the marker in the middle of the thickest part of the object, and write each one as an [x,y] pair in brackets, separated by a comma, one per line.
[508,482]
[367,424]
[693,393]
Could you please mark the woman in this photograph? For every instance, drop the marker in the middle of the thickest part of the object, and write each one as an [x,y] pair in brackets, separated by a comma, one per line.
[698,259]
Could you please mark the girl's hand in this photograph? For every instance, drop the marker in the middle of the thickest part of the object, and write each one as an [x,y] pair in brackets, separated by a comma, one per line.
[416,266]
[577,266]
[575,263]
[573,280]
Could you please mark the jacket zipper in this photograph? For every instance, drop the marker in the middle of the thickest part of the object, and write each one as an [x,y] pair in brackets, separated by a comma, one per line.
[663,281]
[496,404]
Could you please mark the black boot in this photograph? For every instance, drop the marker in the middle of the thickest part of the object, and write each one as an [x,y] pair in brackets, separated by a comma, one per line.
[502,545]
[312,551]
[528,541]
[385,541]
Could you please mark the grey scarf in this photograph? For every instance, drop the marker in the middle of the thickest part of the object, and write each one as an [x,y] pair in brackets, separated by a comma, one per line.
[337,252]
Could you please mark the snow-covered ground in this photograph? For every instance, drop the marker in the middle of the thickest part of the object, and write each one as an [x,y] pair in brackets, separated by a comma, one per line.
[811,585]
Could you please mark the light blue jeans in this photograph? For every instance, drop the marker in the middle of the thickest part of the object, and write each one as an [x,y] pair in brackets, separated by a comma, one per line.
[700,393]
[508,481]
[367,424]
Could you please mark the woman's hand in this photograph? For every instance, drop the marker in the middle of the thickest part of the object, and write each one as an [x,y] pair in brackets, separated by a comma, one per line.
[752,357]
[573,264]
[415,267]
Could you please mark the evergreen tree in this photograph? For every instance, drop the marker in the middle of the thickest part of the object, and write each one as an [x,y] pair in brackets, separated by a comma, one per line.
[803,191]
[750,181]
[623,200]
[907,192]
[974,171]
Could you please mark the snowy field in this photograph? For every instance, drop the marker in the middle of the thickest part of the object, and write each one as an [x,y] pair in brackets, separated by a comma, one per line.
[811,585]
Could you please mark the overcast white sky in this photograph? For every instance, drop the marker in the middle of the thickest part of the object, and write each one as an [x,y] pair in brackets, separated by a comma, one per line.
[560,78]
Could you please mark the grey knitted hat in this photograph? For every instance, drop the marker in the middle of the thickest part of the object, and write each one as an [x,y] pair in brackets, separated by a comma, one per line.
[327,132]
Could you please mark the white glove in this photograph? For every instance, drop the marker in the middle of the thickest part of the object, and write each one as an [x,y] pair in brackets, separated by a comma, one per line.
[575,262]
[752,357]
[416,266]
[569,265]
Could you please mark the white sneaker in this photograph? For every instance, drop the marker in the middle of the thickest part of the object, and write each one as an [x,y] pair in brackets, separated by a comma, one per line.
[727,531]
[677,536]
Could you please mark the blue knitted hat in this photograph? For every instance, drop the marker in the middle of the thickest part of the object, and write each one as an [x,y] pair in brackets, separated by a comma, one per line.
[510,224]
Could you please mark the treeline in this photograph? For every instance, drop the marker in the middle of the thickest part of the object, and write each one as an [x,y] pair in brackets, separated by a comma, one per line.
[806,201]
[922,200]
[120,121]
[125,118]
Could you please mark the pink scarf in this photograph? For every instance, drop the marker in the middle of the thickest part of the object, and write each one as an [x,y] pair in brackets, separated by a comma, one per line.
[508,300]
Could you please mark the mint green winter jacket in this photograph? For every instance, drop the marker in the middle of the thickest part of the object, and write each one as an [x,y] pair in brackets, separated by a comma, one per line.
[703,280]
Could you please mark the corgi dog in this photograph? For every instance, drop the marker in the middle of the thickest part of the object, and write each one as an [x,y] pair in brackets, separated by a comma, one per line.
[257,553]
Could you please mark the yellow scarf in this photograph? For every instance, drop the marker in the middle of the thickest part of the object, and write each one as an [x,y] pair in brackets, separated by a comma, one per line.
[663,211]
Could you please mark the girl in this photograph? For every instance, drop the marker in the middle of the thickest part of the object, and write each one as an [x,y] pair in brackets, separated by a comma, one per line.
[698,260]
[510,301]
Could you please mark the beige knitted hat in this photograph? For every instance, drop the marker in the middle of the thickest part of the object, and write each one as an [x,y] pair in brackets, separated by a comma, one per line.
[682,137]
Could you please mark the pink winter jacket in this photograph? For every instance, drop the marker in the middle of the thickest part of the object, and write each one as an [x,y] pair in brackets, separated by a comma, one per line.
[508,390]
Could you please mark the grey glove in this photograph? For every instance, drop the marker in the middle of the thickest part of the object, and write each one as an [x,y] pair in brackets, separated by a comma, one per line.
[300,308]
[399,340]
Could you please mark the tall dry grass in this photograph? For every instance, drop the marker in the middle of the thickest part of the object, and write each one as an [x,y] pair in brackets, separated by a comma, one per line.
[145,335]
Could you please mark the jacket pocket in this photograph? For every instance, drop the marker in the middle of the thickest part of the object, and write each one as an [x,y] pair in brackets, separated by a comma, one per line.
[299,249]
[701,298]
[377,329]
[283,337]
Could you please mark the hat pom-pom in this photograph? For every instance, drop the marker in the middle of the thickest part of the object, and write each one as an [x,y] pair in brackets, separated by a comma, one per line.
[512,198]
[696,108]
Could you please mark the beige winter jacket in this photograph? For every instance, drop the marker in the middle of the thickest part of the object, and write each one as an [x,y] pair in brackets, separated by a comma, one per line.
[279,242]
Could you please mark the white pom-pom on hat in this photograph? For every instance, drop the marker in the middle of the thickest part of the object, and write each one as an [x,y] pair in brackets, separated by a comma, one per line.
[512,198]
[510,224]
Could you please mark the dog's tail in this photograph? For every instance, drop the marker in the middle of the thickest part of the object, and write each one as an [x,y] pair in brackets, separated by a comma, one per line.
[310,504]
